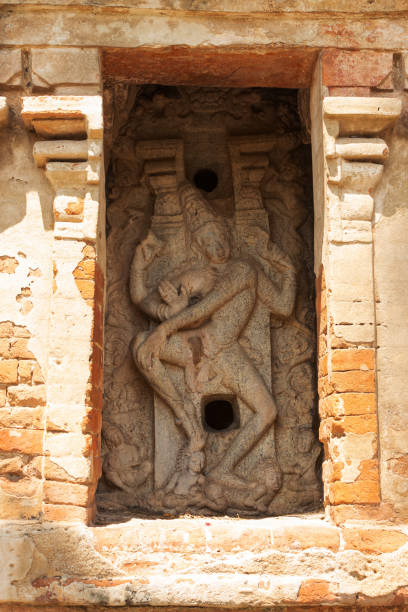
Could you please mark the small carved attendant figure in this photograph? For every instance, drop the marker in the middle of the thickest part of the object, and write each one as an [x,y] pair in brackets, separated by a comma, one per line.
[123,466]
[202,312]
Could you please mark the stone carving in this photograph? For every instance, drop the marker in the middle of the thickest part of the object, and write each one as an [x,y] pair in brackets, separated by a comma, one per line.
[206,310]
[203,310]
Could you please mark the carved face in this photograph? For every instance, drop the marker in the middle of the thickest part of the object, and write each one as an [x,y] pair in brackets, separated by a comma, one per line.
[213,242]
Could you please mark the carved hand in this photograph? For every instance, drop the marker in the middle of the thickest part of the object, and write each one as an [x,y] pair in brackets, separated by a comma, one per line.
[146,251]
[176,301]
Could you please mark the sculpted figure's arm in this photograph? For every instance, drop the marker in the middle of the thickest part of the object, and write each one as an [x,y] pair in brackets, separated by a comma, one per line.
[238,279]
[164,301]
[279,298]
[241,277]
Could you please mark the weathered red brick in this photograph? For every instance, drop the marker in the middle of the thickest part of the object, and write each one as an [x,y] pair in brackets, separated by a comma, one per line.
[354,92]
[352,359]
[66,513]
[353,381]
[68,493]
[8,264]
[354,492]
[6,329]
[374,541]
[358,512]
[27,395]
[28,441]
[85,269]
[344,68]
[26,418]
[295,538]
[25,368]
[8,371]
[363,424]
[180,536]
[232,537]
[347,404]
[19,349]
[317,592]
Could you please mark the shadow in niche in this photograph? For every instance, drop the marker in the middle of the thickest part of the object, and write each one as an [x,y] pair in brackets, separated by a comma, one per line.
[24,188]
[139,462]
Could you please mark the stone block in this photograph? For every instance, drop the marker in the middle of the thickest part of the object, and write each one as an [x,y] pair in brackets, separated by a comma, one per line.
[357,207]
[348,312]
[8,371]
[347,280]
[10,66]
[54,66]
[344,334]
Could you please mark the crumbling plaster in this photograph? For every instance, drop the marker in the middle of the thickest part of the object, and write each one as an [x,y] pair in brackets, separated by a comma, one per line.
[26,224]
[78,565]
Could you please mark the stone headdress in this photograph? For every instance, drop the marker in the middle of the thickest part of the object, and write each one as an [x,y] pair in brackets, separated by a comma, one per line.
[196,210]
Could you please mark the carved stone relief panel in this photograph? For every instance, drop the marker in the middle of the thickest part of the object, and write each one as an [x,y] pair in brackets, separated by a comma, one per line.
[210,401]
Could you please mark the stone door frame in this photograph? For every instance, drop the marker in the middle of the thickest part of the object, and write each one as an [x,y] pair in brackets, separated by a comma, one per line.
[347,164]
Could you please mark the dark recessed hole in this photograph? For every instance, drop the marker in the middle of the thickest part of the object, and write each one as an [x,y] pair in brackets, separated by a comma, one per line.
[206,179]
[220,414]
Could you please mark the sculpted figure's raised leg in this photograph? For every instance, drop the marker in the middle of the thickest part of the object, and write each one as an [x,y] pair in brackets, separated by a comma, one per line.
[241,376]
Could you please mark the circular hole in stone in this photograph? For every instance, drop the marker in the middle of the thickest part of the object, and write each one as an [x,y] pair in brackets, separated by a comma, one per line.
[206,179]
[219,414]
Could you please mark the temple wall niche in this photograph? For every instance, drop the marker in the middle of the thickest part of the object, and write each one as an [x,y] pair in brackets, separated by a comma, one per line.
[182,159]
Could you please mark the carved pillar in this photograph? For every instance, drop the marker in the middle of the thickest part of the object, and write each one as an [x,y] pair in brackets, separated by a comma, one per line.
[345,176]
[71,156]
[163,166]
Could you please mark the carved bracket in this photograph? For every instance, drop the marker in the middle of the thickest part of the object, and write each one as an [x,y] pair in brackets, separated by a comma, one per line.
[71,156]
